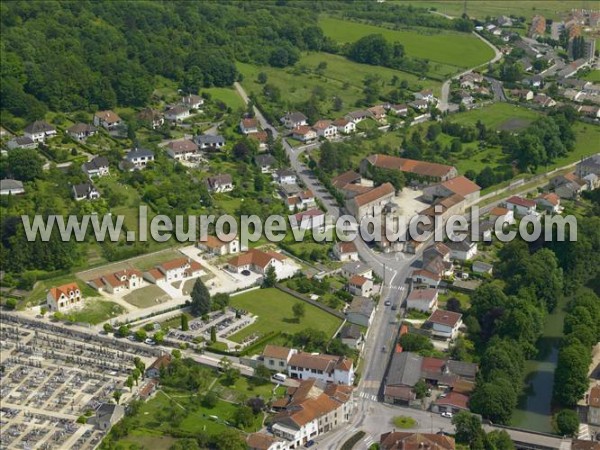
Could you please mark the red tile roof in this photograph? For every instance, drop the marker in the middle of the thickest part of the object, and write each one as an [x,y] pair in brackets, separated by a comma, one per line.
[65,289]
[520,201]
[447,318]
[594,397]
[461,185]
[454,399]
[276,351]
[374,194]
[358,280]
[422,168]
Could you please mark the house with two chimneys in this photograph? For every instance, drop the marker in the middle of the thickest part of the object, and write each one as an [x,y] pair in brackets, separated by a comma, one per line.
[108,120]
[229,245]
[220,183]
[64,298]
[97,167]
[182,149]
[174,270]
[115,282]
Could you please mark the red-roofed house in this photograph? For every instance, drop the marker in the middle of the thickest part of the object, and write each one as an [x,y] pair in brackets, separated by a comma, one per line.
[345,251]
[593,402]
[371,202]
[215,246]
[422,300]
[63,298]
[422,169]
[344,125]
[304,133]
[263,441]
[549,202]
[276,357]
[255,260]
[453,402]
[174,270]
[445,323]
[521,206]
[503,214]
[312,219]
[107,119]
[430,279]
[248,126]
[116,282]
[458,185]
[361,286]
[325,129]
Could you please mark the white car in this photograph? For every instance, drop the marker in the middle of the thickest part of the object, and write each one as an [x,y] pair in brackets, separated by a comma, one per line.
[150,342]
[446,414]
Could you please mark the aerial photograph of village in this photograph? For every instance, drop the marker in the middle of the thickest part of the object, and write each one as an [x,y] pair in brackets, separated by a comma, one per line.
[289,224]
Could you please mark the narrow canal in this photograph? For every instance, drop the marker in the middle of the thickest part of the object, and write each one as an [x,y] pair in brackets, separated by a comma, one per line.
[534,409]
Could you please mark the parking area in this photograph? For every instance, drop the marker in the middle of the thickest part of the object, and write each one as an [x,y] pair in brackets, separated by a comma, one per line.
[50,378]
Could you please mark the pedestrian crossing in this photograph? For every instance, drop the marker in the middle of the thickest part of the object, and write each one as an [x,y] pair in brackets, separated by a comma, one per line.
[371,397]
[368,440]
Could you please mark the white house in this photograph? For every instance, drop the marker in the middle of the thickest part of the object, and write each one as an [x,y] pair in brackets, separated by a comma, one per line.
[313,219]
[256,261]
[97,167]
[361,286]
[426,94]
[138,158]
[215,246]
[276,358]
[177,113]
[327,368]
[424,300]
[345,251]
[294,120]
[399,110]
[64,298]
[210,142]
[445,324]
[427,278]
[39,131]
[220,183]
[521,206]
[285,176]
[325,129]
[181,149]
[81,131]
[549,202]
[113,283]
[344,126]
[174,270]
[11,187]
[248,125]
[21,142]
[107,119]
[464,250]
[357,268]
[85,191]
[265,163]
[505,215]
[192,101]
[304,133]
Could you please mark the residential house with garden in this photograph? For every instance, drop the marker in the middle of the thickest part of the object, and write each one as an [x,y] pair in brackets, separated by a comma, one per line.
[108,120]
[220,183]
[39,131]
[64,298]
[81,131]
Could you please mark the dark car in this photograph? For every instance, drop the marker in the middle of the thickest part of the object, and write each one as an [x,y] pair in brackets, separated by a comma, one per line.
[245,272]
[309,443]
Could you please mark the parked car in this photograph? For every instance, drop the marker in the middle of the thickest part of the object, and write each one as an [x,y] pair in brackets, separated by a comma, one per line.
[309,443]
[387,303]
[447,414]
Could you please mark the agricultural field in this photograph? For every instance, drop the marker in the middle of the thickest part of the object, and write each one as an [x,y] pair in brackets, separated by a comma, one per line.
[228,96]
[447,48]
[96,311]
[147,296]
[274,310]
[482,8]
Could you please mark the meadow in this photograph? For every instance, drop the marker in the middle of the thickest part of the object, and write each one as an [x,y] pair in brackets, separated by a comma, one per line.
[498,115]
[274,310]
[482,8]
[458,50]
[593,76]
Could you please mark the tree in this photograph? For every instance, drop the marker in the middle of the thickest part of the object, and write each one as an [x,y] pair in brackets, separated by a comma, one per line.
[570,377]
[468,427]
[412,342]
[494,400]
[185,444]
[566,422]
[200,298]
[108,328]
[141,335]
[420,389]
[262,372]
[372,49]
[184,323]
[270,278]
[453,304]
[123,331]
[262,77]
[229,439]
[129,382]
[500,440]
[176,353]
[135,374]
[159,336]
[220,301]
[25,164]
[117,396]
[257,404]
[210,400]
[213,334]
[243,417]
[299,310]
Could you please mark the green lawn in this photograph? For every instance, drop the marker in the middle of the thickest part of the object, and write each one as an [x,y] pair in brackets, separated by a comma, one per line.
[342,70]
[274,310]
[459,50]
[96,311]
[146,296]
[482,8]
[588,139]
[149,261]
[38,294]
[228,96]
[593,76]
[497,115]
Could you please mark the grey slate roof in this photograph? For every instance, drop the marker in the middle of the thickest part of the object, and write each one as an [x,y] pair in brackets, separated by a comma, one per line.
[265,160]
[82,190]
[96,163]
[350,331]
[208,139]
[361,305]
[462,369]
[139,153]
[405,369]
[39,126]
[9,184]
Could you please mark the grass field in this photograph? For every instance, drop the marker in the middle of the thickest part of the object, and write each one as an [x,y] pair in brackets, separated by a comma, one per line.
[146,296]
[501,116]
[274,310]
[459,50]
[96,311]
[482,8]
[38,294]
[227,96]
[593,76]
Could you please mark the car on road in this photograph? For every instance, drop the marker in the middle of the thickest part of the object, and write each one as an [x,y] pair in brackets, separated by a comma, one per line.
[245,272]
[447,415]
[309,443]
[384,349]
[394,307]
[150,341]
[387,303]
